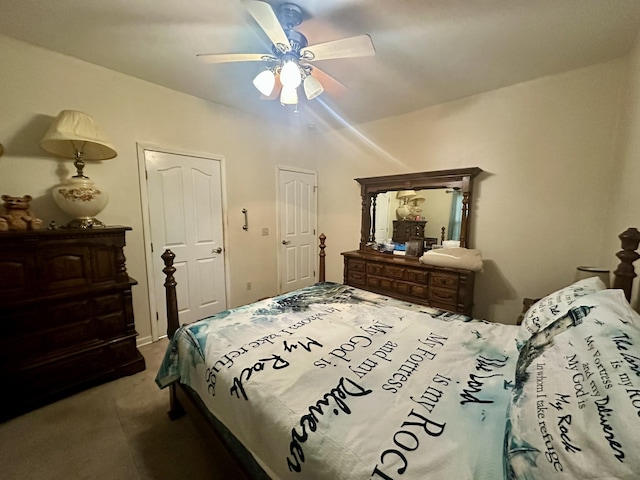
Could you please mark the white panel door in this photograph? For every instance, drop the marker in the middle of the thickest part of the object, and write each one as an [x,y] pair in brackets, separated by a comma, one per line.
[297,254]
[185,213]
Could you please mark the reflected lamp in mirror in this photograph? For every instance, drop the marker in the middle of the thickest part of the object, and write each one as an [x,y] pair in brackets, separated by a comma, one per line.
[404,210]
[583,272]
[75,135]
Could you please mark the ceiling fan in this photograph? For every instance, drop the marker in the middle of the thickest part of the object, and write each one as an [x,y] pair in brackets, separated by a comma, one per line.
[290,62]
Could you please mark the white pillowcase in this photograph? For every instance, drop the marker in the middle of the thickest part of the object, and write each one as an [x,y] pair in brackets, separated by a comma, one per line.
[465,258]
[555,305]
[574,411]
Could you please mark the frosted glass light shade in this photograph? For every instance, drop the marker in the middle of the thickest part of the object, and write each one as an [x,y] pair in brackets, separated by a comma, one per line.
[288,96]
[312,87]
[265,82]
[290,75]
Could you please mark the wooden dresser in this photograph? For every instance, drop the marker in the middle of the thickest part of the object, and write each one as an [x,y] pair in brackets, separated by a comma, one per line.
[404,230]
[66,317]
[405,278]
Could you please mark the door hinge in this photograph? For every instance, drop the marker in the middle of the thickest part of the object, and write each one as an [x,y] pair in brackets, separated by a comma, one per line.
[151,247]
[146,174]
[157,317]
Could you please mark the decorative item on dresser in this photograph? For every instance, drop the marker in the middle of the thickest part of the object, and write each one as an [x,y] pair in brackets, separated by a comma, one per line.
[404,230]
[75,135]
[66,317]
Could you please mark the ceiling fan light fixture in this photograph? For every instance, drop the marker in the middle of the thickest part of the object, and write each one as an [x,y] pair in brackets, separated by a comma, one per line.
[288,96]
[290,75]
[312,87]
[265,81]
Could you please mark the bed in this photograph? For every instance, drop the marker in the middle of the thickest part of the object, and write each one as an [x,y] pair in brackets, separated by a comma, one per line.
[333,382]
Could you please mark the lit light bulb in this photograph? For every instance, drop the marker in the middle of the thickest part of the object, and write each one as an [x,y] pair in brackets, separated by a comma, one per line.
[264,82]
[288,96]
[312,87]
[290,75]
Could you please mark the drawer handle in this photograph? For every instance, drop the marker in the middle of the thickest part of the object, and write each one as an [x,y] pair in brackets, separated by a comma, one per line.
[443,296]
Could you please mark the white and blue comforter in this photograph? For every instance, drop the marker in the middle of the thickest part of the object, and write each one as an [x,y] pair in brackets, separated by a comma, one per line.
[332,382]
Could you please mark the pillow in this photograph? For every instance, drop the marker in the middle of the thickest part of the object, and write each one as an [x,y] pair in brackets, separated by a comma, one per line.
[466,258]
[575,405]
[554,305]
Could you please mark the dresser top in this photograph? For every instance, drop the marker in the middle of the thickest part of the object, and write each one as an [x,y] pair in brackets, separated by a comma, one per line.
[402,260]
[63,232]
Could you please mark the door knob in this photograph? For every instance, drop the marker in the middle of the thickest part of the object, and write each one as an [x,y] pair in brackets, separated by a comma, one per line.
[217,250]
[286,242]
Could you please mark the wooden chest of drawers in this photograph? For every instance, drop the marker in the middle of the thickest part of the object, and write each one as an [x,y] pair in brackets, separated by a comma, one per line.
[66,317]
[404,230]
[405,278]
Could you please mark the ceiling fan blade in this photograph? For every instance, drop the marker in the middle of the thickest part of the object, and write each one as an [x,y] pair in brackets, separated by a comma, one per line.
[268,21]
[332,86]
[234,57]
[359,46]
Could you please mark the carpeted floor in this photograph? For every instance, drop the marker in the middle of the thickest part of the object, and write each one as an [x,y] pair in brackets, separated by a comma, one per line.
[119,430]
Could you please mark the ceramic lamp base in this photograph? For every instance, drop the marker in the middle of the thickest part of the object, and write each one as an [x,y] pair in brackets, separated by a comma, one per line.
[402,212]
[83,200]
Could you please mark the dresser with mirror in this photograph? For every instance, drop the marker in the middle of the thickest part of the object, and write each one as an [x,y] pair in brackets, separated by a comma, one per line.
[425,209]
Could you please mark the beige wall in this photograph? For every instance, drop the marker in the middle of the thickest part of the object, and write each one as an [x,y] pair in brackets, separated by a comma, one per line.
[624,207]
[547,148]
[551,198]
[37,84]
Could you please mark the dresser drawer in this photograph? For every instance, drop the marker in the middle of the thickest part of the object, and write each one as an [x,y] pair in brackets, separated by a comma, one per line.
[417,276]
[443,295]
[108,303]
[380,282]
[412,290]
[356,278]
[355,265]
[375,268]
[447,280]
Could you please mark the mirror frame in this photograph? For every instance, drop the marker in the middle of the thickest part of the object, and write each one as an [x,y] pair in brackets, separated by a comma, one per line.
[459,179]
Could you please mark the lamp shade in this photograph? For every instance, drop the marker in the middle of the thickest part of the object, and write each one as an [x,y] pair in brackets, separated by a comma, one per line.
[290,74]
[73,132]
[312,87]
[288,96]
[406,194]
[265,81]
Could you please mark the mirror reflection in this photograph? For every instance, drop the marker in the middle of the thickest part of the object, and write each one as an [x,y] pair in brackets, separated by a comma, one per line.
[417,213]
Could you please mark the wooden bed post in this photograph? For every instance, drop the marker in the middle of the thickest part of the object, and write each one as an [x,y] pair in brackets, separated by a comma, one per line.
[175,409]
[170,289]
[625,273]
[321,273]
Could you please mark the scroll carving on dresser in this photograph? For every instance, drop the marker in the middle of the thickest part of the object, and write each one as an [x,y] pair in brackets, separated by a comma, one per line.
[66,314]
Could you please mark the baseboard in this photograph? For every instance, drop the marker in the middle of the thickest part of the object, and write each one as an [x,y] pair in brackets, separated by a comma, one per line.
[140,341]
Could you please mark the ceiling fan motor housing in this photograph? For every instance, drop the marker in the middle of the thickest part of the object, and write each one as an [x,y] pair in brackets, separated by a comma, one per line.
[289,15]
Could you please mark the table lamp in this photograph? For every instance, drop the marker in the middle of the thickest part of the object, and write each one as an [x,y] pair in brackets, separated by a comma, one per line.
[403,211]
[75,135]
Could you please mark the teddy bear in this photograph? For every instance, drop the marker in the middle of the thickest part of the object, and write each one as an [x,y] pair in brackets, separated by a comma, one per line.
[16,215]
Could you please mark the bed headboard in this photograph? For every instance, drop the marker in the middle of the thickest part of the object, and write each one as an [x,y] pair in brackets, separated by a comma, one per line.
[625,273]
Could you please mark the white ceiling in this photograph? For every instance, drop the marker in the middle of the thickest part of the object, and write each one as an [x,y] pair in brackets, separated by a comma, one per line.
[427,51]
